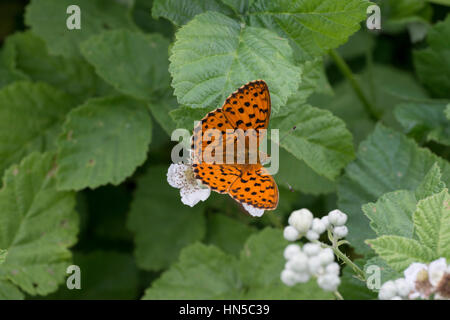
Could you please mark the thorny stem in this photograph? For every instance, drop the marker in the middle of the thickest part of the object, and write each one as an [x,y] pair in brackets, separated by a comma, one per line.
[347,72]
[335,247]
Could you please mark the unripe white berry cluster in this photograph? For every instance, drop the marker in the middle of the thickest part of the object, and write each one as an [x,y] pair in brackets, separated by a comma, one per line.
[310,261]
[302,223]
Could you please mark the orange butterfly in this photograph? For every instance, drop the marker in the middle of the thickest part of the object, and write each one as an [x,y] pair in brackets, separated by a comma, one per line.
[249,182]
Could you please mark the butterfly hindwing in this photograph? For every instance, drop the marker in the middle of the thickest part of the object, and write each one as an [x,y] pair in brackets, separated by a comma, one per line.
[217,177]
[257,188]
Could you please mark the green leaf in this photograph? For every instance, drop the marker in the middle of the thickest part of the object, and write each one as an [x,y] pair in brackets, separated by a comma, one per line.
[162,109]
[9,291]
[185,116]
[47,19]
[226,233]
[31,115]
[162,225]
[132,62]
[433,63]
[214,55]
[386,272]
[205,272]
[37,225]
[385,162]
[352,288]
[3,254]
[425,120]
[202,272]
[182,11]
[104,140]
[432,223]
[72,75]
[392,213]
[8,70]
[431,184]
[313,27]
[296,174]
[104,275]
[400,252]
[142,14]
[319,138]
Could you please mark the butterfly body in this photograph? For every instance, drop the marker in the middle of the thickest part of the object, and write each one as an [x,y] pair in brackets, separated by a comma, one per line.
[225,144]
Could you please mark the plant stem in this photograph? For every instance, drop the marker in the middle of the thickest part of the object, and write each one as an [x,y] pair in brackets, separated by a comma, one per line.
[338,295]
[347,72]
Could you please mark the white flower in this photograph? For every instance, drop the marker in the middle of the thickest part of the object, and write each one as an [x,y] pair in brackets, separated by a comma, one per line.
[301,220]
[303,277]
[299,263]
[181,176]
[404,288]
[311,249]
[387,291]
[325,221]
[312,235]
[337,217]
[332,268]
[340,232]
[396,298]
[436,271]
[290,233]
[412,271]
[314,265]
[318,226]
[328,282]
[256,212]
[289,277]
[291,250]
[326,256]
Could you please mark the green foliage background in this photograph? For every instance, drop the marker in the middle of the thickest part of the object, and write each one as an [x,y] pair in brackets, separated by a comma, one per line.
[86,117]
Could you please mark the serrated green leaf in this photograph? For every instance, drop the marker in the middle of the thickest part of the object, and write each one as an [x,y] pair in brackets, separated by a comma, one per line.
[72,75]
[431,184]
[202,272]
[386,161]
[132,62]
[425,120]
[386,272]
[161,223]
[8,70]
[104,140]
[182,11]
[227,233]
[47,19]
[31,115]
[104,275]
[432,223]
[319,138]
[9,291]
[214,55]
[400,252]
[313,27]
[392,213]
[37,225]
[296,174]
[433,63]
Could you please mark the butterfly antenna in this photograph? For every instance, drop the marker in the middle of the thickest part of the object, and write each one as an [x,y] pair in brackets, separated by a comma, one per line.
[287,133]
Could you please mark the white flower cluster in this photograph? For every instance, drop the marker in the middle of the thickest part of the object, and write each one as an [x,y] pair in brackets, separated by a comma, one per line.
[421,281]
[302,223]
[310,261]
[181,176]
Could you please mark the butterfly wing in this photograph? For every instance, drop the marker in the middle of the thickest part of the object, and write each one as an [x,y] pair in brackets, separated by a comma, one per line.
[218,177]
[249,107]
[255,187]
